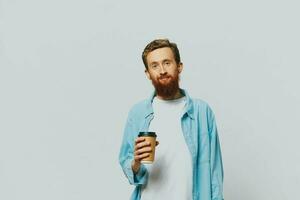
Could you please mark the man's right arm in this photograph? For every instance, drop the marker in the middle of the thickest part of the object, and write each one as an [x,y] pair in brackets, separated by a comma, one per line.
[135,172]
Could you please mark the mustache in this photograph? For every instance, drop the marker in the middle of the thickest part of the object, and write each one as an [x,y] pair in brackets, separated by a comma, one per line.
[165,76]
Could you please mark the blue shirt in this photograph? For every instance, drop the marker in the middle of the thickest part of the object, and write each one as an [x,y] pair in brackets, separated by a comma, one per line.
[201,136]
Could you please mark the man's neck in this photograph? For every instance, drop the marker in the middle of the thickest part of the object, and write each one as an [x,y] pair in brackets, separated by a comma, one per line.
[176,96]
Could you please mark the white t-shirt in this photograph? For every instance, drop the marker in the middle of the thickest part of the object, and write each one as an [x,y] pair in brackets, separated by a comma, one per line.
[170,176]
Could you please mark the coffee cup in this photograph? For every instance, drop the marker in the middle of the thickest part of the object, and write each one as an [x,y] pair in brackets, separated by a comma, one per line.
[151,138]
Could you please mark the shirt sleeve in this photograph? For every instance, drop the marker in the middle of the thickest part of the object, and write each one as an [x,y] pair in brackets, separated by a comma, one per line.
[126,155]
[216,166]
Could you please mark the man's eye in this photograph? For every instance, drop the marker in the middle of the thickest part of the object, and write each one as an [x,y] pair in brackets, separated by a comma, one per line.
[153,66]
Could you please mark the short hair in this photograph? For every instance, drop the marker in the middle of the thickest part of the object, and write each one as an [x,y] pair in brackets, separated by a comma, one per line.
[160,43]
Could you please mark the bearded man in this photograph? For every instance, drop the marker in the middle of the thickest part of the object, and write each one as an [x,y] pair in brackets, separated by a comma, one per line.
[188,161]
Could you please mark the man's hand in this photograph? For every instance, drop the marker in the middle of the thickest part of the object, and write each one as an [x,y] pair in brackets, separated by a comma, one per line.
[142,150]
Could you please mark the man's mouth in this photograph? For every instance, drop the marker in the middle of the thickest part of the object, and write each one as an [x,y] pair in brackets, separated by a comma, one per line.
[165,78]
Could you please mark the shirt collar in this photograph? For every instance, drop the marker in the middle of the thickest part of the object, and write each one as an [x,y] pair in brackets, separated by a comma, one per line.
[188,107]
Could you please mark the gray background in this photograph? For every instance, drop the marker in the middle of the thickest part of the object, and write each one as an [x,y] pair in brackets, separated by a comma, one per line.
[70,71]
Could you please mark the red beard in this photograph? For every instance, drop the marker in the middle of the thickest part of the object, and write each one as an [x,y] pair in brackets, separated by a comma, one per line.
[166,88]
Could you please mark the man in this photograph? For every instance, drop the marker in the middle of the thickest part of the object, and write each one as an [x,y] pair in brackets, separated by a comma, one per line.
[188,162]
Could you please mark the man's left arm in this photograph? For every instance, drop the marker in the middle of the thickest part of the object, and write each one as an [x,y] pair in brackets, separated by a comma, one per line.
[216,165]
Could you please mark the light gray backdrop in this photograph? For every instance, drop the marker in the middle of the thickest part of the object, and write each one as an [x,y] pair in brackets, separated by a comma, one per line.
[70,71]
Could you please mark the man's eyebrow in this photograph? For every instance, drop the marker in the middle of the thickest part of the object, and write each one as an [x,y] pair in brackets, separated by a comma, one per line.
[154,62]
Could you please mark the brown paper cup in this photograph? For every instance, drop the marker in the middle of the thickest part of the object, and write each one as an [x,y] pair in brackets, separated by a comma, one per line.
[149,137]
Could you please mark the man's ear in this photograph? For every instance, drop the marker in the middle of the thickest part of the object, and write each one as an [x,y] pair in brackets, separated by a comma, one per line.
[180,67]
[147,74]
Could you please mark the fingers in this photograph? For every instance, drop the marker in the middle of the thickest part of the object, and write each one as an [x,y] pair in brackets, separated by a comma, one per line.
[141,143]
[141,156]
[142,153]
[142,149]
[139,139]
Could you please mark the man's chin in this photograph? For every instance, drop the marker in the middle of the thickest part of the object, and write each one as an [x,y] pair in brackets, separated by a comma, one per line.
[166,91]
[166,88]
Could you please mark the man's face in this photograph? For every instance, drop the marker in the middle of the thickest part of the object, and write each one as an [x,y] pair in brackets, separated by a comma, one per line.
[163,71]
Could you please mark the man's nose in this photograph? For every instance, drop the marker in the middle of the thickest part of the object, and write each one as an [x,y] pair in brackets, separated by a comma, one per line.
[162,69]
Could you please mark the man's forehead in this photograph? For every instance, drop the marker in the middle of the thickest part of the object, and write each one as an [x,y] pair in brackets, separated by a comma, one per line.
[160,54]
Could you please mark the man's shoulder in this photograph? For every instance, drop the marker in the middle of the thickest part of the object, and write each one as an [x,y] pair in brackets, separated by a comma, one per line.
[139,107]
[200,102]
[202,106]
